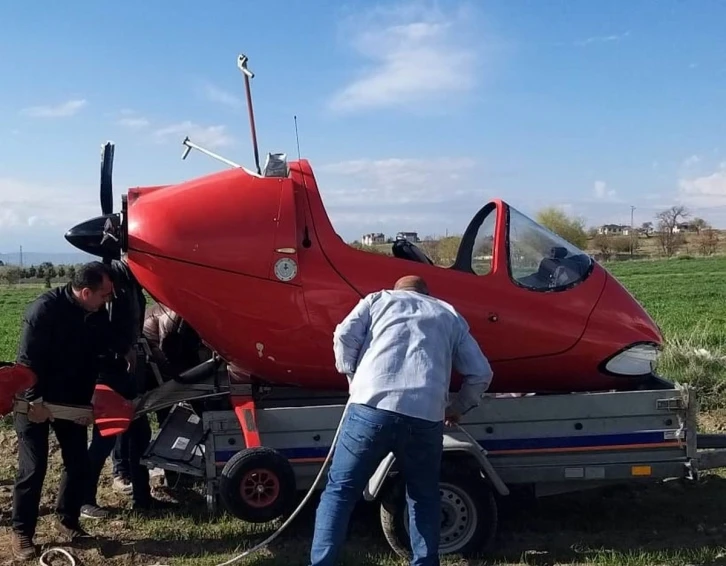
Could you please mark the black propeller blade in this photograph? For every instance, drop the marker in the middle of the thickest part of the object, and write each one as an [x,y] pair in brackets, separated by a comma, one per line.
[104,235]
[107,178]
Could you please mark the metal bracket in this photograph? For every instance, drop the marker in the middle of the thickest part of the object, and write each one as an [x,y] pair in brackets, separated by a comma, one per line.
[469,446]
[375,483]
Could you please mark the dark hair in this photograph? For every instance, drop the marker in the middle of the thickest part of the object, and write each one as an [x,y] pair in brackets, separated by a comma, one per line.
[90,276]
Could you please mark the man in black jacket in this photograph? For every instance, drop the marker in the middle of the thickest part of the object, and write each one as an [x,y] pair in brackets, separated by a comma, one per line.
[64,333]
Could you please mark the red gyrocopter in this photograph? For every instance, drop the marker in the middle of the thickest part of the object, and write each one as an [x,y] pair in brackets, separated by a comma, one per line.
[250,260]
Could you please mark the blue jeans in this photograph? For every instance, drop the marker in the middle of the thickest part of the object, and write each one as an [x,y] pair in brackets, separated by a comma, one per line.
[101,447]
[119,456]
[366,437]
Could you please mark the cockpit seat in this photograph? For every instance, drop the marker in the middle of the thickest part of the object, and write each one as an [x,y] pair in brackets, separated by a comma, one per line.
[403,249]
[559,270]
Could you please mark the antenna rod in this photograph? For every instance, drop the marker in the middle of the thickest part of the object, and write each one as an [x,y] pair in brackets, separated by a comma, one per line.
[297,138]
[242,65]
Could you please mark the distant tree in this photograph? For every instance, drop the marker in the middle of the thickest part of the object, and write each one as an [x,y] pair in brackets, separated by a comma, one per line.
[646,228]
[32,272]
[430,246]
[12,275]
[709,242]
[61,271]
[49,272]
[448,248]
[1,263]
[570,229]
[699,224]
[668,220]
[71,271]
[603,244]
[621,244]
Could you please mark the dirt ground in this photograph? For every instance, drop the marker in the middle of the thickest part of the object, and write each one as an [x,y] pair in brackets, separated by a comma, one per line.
[666,523]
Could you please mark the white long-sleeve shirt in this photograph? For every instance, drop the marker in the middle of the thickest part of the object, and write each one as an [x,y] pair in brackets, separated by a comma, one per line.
[398,349]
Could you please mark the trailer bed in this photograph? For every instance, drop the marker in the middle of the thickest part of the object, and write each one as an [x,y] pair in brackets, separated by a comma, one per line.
[549,444]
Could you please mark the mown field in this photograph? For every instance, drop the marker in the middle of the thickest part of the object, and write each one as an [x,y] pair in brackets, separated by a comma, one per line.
[669,524]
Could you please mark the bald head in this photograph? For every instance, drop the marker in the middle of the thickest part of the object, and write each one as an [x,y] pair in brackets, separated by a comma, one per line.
[412,283]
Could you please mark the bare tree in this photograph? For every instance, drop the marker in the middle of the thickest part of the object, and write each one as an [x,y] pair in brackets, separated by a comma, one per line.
[699,224]
[709,242]
[603,244]
[669,237]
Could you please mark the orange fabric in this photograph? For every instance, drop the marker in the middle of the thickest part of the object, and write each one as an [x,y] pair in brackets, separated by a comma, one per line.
[14,379]
[112,413]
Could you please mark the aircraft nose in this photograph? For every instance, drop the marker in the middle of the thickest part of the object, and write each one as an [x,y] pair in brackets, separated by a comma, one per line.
[623,333]
[97,236]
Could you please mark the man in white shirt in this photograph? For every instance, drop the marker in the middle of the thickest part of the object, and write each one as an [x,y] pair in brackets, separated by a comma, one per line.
[398,349]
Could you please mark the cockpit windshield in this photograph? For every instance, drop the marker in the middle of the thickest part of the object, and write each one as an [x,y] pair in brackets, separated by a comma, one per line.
[541,260]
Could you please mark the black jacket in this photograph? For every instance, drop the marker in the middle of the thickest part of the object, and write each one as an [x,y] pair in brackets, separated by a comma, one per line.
[125,325]
[63,344]
[71,350]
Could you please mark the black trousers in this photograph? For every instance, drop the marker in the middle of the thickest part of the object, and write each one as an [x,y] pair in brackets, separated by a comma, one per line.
[137,439]
[33,465]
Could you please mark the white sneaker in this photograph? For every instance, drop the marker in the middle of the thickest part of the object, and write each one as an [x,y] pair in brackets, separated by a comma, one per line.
[122,485]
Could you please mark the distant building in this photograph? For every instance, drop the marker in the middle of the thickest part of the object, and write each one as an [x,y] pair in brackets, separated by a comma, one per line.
[614,229]
[372,239]
[410,236]
[685,227]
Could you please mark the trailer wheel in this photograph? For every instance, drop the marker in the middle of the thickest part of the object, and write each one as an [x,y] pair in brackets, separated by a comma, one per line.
[468,515]
[257,485]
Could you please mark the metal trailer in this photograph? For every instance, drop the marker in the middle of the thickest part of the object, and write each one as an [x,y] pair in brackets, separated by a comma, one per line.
[256,456]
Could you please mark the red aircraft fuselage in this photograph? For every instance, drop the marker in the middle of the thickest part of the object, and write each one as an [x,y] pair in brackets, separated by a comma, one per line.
[254,265]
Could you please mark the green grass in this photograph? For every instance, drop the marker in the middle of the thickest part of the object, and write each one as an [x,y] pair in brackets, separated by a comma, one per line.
[684,296]
[635,526]
[13,302]
[686,299]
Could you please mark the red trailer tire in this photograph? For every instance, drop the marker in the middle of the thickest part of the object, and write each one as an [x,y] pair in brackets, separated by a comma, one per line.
[257,485]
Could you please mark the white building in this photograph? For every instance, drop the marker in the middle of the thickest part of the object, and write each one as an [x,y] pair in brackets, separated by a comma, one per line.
[372,239]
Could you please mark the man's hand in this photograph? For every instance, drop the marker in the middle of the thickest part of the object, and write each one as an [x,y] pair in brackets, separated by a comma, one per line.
[84,421]
[131,360]
[39,413]
[451,418]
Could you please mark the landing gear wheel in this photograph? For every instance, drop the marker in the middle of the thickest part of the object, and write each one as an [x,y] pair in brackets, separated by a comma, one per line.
[257,485]
[468,515]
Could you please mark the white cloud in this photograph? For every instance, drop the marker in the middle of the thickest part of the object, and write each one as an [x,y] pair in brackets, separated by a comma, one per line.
[707,190]
[396,181]
[415,55]
[26,204]
[604,38]
[133,123]
[63,110]
[389,195]
[207,136]
[691,161]
[602,192]
[215,94]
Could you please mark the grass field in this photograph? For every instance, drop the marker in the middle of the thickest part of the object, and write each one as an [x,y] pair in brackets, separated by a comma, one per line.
[664,524]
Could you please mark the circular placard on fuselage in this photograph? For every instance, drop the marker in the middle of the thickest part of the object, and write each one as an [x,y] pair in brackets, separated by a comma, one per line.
[285,269]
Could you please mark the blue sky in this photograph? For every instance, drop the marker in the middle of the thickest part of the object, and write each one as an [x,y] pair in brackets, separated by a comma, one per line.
[413,114]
